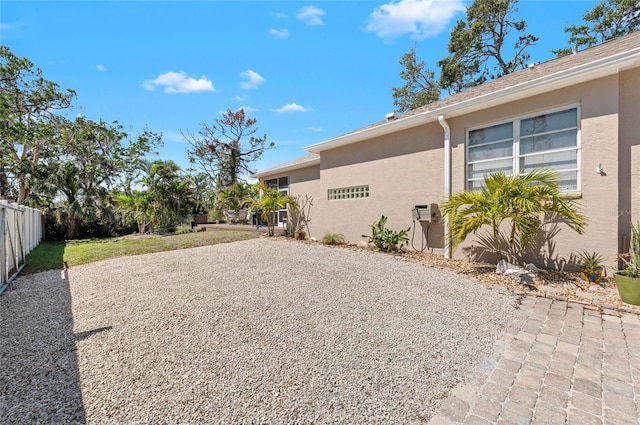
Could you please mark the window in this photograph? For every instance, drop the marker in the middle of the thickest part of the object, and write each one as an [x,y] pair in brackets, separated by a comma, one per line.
[548,140]
[282,184]
[348,192]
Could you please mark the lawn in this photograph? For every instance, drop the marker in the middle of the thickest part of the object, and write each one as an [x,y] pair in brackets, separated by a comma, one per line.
[57,255]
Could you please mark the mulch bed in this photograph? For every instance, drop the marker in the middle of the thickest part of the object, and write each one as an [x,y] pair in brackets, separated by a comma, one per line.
[548,283]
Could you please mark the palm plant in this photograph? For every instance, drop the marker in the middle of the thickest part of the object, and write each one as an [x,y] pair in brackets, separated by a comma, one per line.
[235,197]
[517,201]
[271,200]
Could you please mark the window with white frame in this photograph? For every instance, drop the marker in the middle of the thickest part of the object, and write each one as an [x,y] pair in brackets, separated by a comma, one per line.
[348,192]
[282,184]
[549,140]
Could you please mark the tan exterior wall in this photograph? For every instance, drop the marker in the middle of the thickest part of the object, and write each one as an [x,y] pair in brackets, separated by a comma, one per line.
[629,155]
[402,170]
[304,181]
[406,168]
[598,196]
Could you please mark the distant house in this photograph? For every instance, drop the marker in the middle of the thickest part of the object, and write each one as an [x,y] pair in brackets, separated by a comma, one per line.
[579,115]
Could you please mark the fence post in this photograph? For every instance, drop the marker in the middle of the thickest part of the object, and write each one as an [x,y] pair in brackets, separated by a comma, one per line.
[4,272]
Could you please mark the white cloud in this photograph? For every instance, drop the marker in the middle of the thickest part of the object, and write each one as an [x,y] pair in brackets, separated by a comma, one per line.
[291,107]
[283,33]
[315,129]
[240,98]
[420,18]
[253,79]
[178,82]
[248,109]
[279,15]
[101,67]
[310,15]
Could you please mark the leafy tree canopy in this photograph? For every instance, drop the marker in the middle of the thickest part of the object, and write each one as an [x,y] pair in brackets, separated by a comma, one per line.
[607,20]
[28,103]
[227,148]
[478,45]
[420,86]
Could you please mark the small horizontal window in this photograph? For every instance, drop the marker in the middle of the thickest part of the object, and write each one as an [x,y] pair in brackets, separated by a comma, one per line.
[348,192]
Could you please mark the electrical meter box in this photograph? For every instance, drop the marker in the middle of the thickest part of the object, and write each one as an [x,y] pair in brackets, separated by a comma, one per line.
[427,213]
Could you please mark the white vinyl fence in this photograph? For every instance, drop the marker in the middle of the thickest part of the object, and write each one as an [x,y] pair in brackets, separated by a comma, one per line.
[20,232]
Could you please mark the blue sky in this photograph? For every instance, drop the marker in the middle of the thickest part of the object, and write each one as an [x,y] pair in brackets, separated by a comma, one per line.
[308,71]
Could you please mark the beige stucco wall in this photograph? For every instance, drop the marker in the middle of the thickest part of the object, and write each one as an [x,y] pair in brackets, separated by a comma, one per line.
[598,196]
[629,156]
[402,170]
[303,181]
[406,168]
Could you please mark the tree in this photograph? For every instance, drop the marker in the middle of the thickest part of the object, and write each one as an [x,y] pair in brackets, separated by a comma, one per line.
[137,205]
[270,201]
[420,86]
[203,192]
[90,157]
[607,20]
[235,197]
[226,149]
[169,191]
[28,103]
[477,47]
[517,201]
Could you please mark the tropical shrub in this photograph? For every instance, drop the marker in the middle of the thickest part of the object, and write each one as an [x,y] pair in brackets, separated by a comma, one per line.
[518,202]
[333,239]
[270,201]
[386,239]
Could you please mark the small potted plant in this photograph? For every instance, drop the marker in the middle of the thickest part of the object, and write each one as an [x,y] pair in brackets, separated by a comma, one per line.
[590,264]
[628,278]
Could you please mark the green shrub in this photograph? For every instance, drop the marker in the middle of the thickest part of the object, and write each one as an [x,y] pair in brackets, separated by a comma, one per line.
[183,228]
[300,234]
[333,239]
[386,239]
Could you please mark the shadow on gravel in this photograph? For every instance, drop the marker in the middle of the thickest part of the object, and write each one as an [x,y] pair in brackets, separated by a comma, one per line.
[39,376]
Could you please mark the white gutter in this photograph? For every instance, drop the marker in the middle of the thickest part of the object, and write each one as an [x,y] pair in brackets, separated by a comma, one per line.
[398,124]
[292,167]
[447,180]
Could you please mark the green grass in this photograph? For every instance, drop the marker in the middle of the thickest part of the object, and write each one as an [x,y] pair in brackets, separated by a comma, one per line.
[57,255]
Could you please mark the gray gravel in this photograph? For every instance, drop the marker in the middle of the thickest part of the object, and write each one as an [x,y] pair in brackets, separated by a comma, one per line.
[260,331]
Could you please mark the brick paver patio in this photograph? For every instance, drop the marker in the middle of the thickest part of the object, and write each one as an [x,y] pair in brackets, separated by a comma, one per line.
[558,363]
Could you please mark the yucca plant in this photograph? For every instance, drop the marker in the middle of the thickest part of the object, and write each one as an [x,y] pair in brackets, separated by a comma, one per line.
[517,202]
[590,264]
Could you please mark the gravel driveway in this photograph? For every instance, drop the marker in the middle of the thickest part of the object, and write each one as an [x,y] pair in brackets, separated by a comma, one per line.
[259,331]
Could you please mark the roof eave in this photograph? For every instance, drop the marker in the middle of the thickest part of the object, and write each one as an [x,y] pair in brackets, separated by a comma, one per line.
[286,169]
[576,75]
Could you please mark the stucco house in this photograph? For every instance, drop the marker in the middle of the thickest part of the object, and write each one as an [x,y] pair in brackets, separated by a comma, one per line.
[579,115]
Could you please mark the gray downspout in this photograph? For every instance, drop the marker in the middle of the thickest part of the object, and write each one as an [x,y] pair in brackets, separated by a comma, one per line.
[447,180]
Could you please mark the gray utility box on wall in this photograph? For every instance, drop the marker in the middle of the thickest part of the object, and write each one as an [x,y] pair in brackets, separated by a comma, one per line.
[427,212]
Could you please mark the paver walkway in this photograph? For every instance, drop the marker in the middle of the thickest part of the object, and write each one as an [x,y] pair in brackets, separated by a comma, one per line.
[558,363]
